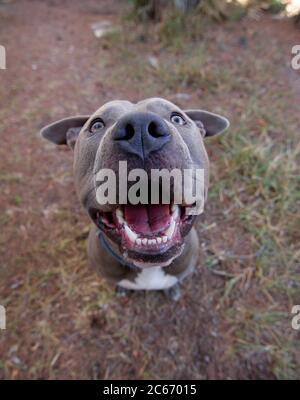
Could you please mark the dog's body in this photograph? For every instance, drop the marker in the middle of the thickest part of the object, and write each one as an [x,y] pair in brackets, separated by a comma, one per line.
[139,246]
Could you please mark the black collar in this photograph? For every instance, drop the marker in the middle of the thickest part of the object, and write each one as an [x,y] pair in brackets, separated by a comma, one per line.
[115,255]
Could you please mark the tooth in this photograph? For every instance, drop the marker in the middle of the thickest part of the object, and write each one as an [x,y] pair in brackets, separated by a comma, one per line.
[171,228]
[145,241]
[175,210]
[139,241]
[130,234]
[159,240]
[119,212]
[119,216]
[165,239]
[153,241]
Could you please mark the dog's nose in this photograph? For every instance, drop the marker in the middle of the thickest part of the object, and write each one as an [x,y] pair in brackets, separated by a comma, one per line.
[141,133]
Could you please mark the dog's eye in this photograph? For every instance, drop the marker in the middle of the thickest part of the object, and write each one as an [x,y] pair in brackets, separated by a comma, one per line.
[96,125]
[177,119]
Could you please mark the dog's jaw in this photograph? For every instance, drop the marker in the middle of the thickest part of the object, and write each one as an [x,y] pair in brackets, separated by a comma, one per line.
[148,242]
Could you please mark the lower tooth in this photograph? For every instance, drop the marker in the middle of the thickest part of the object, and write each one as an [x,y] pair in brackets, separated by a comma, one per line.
[151,242]
[131,235]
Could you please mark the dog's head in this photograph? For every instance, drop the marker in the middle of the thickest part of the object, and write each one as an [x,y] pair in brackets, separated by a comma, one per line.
[153,134]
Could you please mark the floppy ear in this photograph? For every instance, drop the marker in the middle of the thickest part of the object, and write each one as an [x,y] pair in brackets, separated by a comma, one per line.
[210,124]
[65,131]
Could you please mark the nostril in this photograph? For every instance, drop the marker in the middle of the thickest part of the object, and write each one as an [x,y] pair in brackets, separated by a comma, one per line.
[154,130]
[129,132]
[125,132]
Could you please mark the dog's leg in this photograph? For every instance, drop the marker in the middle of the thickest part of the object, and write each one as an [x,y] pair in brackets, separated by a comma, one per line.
[173,293]
[122,291]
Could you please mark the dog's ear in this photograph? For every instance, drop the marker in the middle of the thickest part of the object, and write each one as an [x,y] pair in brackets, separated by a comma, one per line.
[210,124]
[65,131]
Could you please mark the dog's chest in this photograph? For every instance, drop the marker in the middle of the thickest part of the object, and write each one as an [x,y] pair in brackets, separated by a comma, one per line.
[150,279]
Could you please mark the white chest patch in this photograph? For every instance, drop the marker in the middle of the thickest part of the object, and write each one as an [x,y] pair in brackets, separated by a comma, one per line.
[150,279]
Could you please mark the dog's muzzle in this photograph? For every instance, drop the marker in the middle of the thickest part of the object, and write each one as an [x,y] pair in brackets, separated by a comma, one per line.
[141,134]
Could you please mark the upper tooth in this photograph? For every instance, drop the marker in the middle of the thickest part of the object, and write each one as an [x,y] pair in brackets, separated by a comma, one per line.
[171,228]
[119,216]
[159,240]
[138,241]
[145,241]
[165,238]
[175,210]
[130,234]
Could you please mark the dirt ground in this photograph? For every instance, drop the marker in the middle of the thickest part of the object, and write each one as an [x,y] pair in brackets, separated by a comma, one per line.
[234,317]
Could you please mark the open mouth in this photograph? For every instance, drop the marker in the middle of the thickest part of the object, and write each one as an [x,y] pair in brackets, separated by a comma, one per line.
[145,229]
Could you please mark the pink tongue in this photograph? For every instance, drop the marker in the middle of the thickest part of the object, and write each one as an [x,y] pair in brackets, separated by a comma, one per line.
[147,218]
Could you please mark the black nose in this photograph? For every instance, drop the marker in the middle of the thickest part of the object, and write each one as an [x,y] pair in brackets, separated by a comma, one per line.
[141,133]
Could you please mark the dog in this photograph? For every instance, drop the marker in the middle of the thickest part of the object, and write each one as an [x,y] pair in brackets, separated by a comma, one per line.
[139,246]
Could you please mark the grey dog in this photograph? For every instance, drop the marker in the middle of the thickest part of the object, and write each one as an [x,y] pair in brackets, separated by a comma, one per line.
[141,246]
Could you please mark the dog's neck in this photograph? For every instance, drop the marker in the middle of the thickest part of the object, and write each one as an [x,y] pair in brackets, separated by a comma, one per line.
[121,260]
[105,243]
